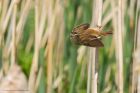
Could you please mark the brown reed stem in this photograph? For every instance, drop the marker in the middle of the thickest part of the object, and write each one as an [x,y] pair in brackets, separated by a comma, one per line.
[96,20]
[5,18]
[22,20]
[34,68]
[120,49]
[13,23]
[49,48]
[136,51]
[117,21]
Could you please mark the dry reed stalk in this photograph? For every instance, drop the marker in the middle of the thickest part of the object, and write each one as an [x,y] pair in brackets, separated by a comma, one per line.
[131,13]
[9,12]
[105,5]
[50,18]
[16,76]
[108,17]
[131,8]
[96,20]
[53,25]
[38,78]
[22,20]
[4,7]
[5,60]
[136,51]
[49,47]
[39,28]
[49,65]
[138,46]
[49,51]
[34,67]
[92,67]
[5,17]
[89,75]
[13,23]
[3,11]
[115,27]
[57,83]
[81,58]
[40,18]
[123,12]
[1,74]
[59,44]
[30,43]
[118,44]
[119,48]
[0,6]
[4,21]
[137,16]
[22,4]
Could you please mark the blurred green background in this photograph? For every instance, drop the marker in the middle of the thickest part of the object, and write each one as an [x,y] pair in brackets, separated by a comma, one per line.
[65,62]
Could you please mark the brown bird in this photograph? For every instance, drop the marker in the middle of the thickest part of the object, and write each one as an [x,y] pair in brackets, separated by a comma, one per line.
[83,35]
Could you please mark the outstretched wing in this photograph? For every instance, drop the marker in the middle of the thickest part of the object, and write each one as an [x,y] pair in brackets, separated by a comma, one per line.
[81,28]
[92,41]
[77,31]
[80,35]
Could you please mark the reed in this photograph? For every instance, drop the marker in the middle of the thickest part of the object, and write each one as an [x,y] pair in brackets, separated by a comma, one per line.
[93,61]
[35,39]
[135,65]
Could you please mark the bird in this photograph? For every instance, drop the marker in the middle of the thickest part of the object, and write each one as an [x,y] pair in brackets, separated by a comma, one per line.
[84,35]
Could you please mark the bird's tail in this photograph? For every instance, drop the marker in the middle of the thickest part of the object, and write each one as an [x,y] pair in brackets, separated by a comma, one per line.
[107,33]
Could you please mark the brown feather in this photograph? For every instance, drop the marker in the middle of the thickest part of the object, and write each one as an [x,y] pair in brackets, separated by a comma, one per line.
[83,35]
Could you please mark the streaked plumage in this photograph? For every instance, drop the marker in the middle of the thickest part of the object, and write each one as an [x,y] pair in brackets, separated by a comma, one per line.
[83,35]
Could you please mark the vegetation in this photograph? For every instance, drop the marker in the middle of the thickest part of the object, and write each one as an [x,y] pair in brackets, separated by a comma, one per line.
[35,34]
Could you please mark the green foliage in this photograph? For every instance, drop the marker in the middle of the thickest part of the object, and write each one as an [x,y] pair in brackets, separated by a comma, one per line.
[25,60]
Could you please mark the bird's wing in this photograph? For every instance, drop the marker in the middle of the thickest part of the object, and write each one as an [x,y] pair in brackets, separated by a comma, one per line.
[92,41]
[81,28]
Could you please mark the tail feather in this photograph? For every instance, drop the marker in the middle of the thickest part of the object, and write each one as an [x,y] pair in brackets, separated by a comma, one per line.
[107,33]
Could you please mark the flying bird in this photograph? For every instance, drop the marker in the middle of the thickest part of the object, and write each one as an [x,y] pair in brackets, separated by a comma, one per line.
[84,35]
